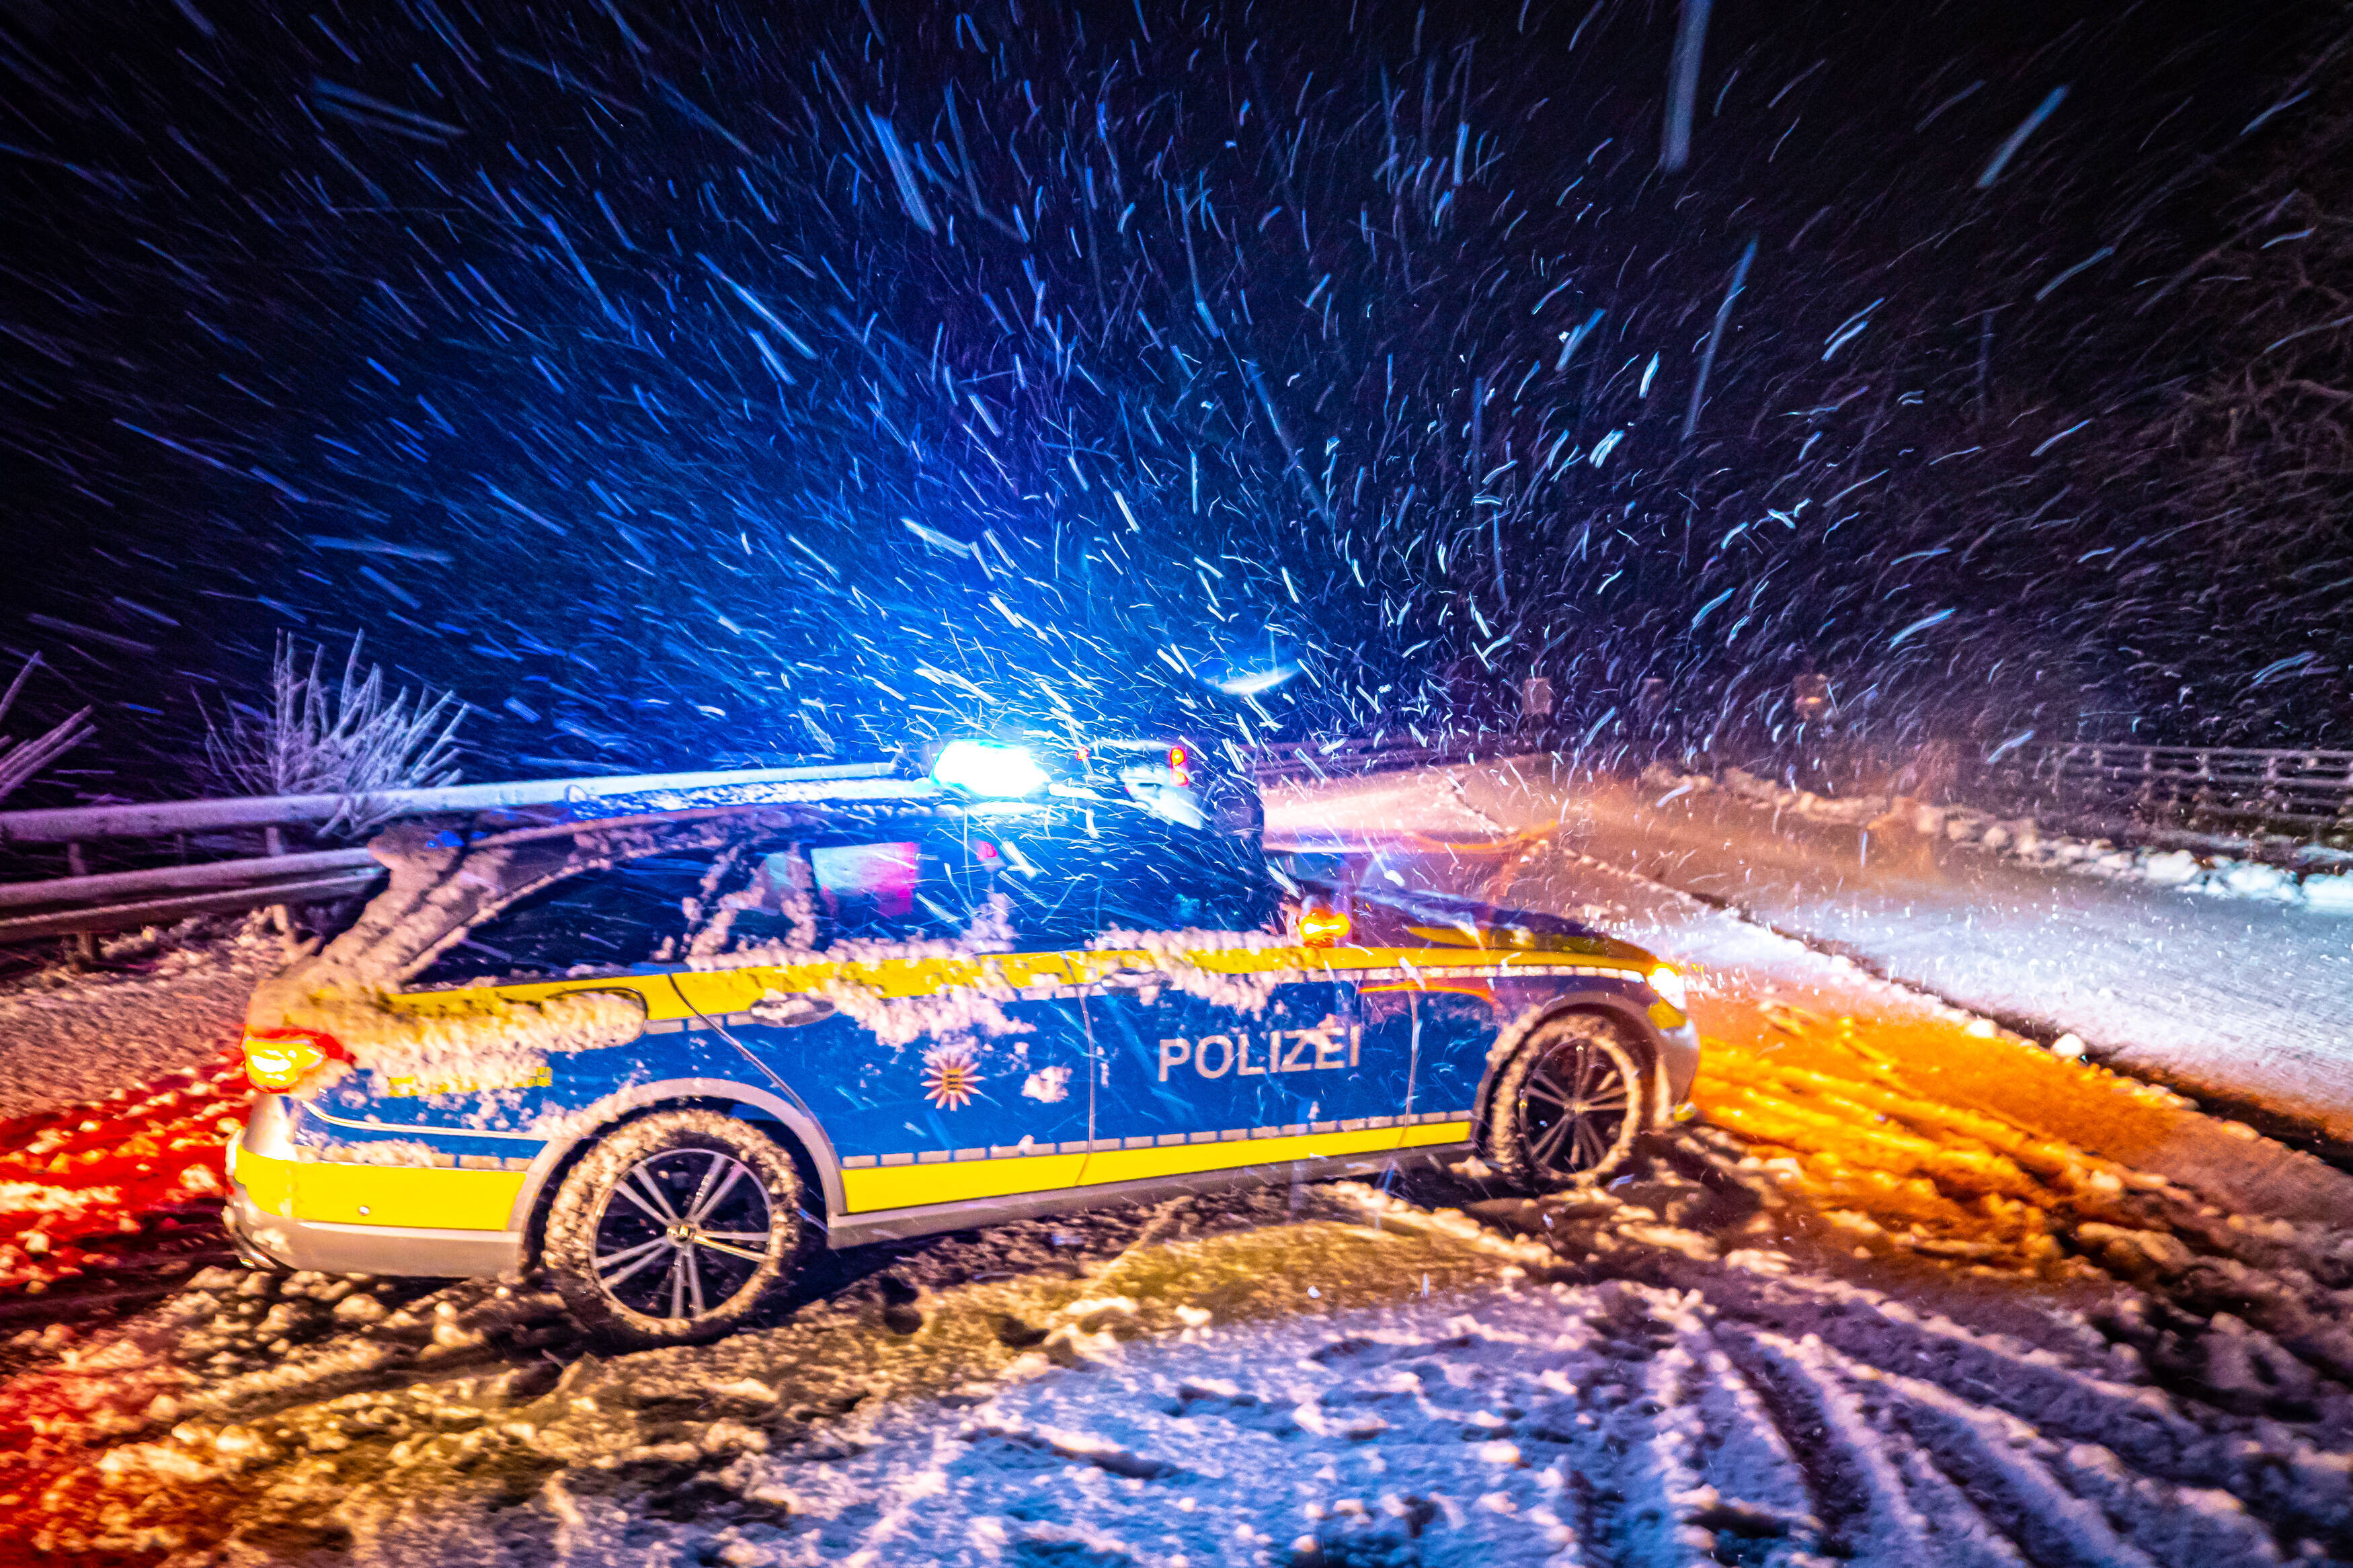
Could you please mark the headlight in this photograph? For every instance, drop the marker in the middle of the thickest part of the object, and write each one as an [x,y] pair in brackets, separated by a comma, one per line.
[1670,987]
[985,768]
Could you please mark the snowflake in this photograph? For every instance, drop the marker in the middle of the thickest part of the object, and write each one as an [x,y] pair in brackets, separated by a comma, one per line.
[950,1077]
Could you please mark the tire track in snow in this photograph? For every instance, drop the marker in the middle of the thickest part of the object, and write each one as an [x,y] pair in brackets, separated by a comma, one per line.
[1735,1410]
[1685,1371]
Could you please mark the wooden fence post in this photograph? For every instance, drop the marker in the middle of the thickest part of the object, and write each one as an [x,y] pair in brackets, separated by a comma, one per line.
[82,948]
[273,844]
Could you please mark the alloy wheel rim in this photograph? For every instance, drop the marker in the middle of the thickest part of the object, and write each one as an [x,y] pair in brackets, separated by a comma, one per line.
[1574,1105]
[682,1233]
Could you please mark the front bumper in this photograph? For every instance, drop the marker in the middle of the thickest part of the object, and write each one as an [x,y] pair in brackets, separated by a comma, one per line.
[1678,1052]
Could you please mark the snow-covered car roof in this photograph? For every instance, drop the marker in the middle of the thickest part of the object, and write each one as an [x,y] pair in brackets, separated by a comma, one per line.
[444,881]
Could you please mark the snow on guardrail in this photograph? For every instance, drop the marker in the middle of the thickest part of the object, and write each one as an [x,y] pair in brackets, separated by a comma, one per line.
[117,901]
[75,824]
[2025,839]
[2287,784]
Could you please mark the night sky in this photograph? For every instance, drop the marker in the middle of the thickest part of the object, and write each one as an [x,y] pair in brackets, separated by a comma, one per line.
[691,383]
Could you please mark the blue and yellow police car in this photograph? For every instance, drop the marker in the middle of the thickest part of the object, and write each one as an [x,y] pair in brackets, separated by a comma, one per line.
[659,1054]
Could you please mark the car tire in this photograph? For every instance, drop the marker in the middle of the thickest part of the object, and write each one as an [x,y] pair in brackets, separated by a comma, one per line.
[1570,1105]
[673,1229]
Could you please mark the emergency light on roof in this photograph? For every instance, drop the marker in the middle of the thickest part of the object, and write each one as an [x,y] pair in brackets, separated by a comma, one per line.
[986,769]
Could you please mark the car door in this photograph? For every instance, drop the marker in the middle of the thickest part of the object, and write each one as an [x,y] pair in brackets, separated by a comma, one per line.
[1452,1025]
[1192,1080]
[947,1119]
[935,1093]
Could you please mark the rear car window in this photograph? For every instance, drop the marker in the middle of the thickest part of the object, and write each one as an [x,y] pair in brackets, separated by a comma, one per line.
[610,919]
[899,889]
[1066,878]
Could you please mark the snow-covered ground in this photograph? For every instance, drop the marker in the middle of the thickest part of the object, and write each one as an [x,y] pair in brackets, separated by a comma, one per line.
[1874,1333]
[1912,1291]
[2239,999]
[166,1000]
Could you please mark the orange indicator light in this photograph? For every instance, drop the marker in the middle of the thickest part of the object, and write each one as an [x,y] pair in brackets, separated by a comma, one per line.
[1321,927]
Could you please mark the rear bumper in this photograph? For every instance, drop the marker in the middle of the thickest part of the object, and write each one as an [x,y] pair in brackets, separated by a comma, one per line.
[271,1187]
[325,1248]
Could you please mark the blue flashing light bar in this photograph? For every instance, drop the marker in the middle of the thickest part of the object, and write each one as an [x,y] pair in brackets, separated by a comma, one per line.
[986,769]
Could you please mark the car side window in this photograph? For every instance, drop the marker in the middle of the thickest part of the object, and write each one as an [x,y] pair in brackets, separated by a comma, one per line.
[1068,887]
[892,886]
[606,920]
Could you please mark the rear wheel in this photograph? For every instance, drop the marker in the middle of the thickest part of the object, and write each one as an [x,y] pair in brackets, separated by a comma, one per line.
[1569,1106]
[675,1228]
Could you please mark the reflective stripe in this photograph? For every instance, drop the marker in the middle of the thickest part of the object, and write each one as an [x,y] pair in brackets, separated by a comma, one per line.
[1436,1132]
[908,1186]
[268,1183]
[905,1185]
[727,996]
[1129,1164]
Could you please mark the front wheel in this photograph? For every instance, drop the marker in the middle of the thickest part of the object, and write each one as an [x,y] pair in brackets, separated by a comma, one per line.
[1569,1106]
[673,1229]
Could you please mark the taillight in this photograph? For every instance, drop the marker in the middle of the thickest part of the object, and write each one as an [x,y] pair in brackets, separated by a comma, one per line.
[1321,927]
[1180,767]
[278,1059]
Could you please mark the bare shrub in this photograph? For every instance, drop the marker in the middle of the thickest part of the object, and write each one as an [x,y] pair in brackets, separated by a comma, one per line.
[346,739]
[20,760]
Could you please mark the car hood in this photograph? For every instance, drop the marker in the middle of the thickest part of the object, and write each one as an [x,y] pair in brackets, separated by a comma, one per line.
[1452,921]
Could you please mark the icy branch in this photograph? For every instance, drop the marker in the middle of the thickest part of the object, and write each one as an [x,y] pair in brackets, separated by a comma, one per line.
[20,760]
[348,741]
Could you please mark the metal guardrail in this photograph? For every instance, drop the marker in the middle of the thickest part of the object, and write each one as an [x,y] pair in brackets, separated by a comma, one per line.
[85,903]
[2309,788]
[75,823]
[1355,755]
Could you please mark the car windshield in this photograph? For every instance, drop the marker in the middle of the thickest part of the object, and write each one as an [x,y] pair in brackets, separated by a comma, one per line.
[902,884]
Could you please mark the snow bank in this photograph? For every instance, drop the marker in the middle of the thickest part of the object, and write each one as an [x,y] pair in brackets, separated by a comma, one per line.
[1351,1376]
[2022,839]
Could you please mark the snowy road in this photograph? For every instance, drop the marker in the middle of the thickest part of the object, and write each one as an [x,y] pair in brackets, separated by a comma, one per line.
[2243,1003]
[1868,1310]
[1909,1344]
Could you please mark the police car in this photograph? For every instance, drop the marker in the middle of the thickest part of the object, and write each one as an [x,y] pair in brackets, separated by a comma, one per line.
[660,1054]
